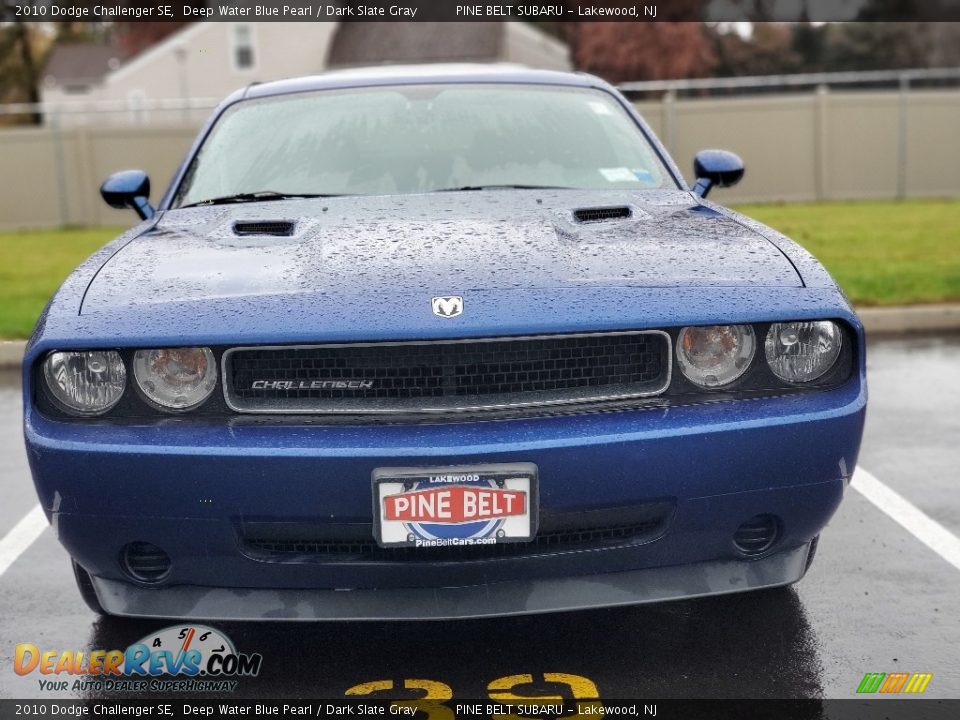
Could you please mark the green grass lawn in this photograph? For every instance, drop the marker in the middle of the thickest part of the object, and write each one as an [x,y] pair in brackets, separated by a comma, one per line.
[882,253]
[32,266]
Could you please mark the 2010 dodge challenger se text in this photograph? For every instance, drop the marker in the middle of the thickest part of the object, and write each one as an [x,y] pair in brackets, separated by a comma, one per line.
[432,343]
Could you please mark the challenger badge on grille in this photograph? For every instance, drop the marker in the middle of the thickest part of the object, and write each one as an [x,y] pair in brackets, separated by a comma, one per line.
[311,384]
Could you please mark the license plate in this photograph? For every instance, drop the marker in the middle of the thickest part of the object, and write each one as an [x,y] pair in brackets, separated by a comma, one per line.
[455,506]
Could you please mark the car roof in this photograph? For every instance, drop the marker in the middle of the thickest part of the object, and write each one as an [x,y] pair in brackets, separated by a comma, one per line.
[435,73]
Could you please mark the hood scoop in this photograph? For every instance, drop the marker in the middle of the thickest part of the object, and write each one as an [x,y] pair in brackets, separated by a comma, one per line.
[274,228]
[599,214]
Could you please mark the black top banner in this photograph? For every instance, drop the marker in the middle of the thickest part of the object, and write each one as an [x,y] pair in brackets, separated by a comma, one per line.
[467,10]
[287,709]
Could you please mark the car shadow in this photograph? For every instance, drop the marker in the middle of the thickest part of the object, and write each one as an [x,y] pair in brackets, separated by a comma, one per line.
[757,645]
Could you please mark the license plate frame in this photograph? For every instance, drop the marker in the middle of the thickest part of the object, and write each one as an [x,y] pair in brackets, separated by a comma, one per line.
[496,486]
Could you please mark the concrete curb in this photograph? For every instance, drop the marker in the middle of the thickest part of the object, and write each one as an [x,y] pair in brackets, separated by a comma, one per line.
[11,353]
[886,321]
[878,321]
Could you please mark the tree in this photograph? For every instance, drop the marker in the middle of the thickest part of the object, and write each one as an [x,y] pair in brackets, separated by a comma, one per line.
[877,46]
[623,51]
[776,48]
[22,51]
[944,50]
[769,50]
[808,40]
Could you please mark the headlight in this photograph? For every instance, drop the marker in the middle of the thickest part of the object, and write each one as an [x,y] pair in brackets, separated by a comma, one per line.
[799,352]
[176,378]
[86,382]
[715,355]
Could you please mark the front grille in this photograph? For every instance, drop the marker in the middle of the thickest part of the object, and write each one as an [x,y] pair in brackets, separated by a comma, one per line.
[568,532]
[448,376]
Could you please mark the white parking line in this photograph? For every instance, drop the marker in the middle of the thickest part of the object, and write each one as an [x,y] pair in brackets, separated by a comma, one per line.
[923,527]
[16,542]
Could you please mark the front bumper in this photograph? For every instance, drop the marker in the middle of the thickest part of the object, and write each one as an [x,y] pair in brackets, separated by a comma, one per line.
[185,485]
[515,597]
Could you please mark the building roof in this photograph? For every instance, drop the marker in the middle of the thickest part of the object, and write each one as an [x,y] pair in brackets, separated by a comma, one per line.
[375,43]
[76,63]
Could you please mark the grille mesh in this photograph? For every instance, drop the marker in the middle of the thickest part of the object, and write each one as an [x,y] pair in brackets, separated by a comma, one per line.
[362,550]
[448,374]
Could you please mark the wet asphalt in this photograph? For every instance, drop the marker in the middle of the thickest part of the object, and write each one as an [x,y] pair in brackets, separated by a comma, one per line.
[875,600]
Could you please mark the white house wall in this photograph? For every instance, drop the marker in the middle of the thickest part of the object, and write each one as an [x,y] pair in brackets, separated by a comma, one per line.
[207,69]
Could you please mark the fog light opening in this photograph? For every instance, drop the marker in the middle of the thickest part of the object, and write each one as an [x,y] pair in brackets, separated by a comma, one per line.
[757,535]
[145,562]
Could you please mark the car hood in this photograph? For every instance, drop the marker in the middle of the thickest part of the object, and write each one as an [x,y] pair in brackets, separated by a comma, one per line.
[437,244]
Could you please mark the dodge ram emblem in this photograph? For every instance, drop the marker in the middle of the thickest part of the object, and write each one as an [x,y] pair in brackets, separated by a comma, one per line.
[448,307]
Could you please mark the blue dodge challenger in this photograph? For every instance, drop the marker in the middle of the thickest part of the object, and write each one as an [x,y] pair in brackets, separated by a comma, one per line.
[438,342]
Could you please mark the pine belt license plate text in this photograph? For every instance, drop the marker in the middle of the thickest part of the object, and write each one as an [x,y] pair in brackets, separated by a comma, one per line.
[455,506]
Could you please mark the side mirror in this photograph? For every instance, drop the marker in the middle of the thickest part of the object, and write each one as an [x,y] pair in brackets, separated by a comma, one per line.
[716,167]
[129,189]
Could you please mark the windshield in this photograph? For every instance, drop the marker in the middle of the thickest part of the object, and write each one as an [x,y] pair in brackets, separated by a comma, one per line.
[423,138]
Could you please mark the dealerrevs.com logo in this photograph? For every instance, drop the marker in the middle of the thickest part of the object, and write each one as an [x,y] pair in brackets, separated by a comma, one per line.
[190,658]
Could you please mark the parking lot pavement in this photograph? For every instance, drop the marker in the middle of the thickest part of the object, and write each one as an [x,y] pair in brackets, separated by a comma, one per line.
[16,491]
[876,599]
[912,441]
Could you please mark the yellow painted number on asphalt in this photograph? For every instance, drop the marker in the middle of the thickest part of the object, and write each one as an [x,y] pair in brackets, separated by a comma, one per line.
[434,693]
[581,689]
[430,702]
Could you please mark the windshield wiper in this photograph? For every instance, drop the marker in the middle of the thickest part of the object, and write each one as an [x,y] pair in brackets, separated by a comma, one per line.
[465,188]
[259,196]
